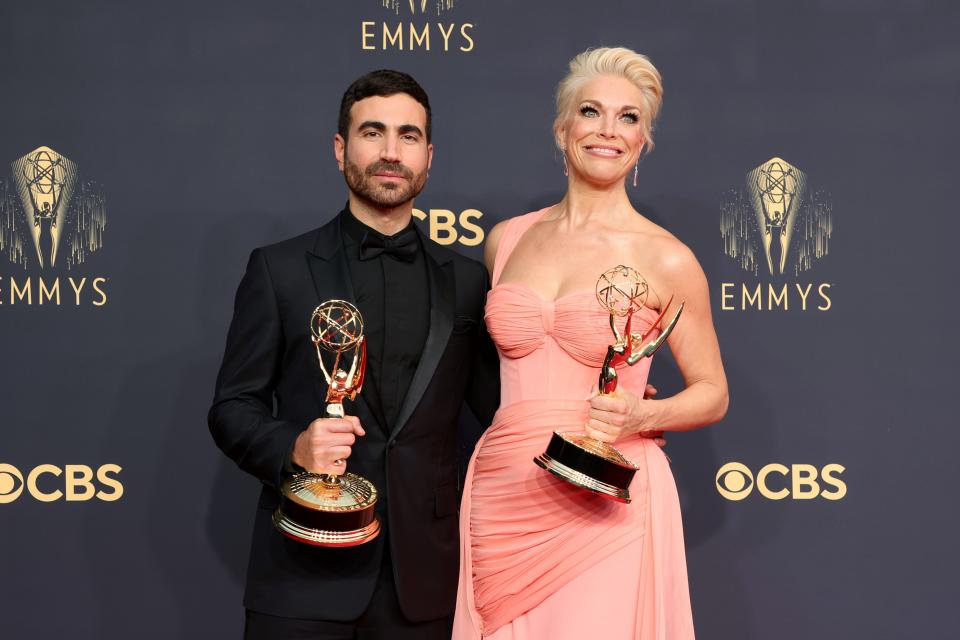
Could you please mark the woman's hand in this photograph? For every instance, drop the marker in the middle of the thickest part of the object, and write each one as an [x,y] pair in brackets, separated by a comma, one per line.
[620,414]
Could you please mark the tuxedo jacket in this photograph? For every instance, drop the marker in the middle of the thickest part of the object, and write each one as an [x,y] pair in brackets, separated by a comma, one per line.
[270,388]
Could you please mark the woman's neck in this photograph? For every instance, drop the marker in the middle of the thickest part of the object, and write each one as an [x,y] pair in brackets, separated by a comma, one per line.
[586,203]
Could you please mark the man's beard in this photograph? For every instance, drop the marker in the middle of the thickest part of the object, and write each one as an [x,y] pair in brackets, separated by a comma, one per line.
[385,195]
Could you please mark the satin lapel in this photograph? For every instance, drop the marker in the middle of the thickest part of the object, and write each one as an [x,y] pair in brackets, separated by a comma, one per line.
[328,265]
[442,300]
[331,279]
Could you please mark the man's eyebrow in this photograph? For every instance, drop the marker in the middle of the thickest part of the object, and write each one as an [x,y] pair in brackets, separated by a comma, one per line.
[410,128]
[372,124]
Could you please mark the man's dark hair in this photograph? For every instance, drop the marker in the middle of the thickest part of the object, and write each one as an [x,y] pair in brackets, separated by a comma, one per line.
[383,82]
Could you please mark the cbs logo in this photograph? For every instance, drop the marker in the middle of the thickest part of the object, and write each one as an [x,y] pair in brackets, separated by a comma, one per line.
[777,481]
[49,483]
[443,226]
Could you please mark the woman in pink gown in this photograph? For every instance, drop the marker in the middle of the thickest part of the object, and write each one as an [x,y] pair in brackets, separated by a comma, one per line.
[541,558]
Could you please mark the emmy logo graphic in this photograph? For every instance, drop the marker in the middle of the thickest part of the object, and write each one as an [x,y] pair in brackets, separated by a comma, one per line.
[48,216]
[777,221]
[418,6]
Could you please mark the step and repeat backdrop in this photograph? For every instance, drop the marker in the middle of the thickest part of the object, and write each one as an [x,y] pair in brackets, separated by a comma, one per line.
[806,153]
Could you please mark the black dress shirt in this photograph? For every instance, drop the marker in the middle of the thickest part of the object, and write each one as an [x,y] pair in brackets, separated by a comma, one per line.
[393,297]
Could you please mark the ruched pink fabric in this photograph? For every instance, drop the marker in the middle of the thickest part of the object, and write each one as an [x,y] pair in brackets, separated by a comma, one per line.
[539,557]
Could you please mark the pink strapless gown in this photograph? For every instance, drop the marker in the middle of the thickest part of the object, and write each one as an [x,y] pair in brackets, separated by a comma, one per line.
[539,558]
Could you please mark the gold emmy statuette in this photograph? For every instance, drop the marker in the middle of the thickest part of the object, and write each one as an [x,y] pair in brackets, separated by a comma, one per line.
[577,458]
[329,510]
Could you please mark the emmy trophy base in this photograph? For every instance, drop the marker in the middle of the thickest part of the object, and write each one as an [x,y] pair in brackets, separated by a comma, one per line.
[322,512]
[324,537]
[589,464]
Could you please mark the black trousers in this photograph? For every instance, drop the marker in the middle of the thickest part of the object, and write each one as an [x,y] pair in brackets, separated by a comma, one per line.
[383,620]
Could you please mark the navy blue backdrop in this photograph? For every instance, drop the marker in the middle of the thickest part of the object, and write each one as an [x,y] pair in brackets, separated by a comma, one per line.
[187,133]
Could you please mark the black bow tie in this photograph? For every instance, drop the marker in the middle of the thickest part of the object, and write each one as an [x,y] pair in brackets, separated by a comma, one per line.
[402,246]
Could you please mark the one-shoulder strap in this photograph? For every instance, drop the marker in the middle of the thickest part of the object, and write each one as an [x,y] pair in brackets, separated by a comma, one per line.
[509,237]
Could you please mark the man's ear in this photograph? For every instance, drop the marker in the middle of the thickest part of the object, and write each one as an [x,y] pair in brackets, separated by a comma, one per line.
[429,156]
[339,150]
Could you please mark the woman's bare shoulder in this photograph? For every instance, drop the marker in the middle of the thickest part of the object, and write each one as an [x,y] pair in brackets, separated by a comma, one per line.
[495,236]
[671,257]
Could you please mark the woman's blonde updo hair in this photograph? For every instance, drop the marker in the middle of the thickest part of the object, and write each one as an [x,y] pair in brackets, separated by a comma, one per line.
[613,61]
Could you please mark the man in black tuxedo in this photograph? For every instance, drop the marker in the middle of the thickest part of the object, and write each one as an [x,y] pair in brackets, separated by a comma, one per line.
[428,352]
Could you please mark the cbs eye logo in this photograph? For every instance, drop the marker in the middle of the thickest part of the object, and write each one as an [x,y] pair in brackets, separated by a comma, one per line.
[49,483]
[776,481]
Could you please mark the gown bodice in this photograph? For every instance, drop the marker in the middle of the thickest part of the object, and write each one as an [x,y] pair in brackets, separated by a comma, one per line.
[554,349]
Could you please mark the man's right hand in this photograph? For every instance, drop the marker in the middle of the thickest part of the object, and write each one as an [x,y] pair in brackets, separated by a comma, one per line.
[325,445]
